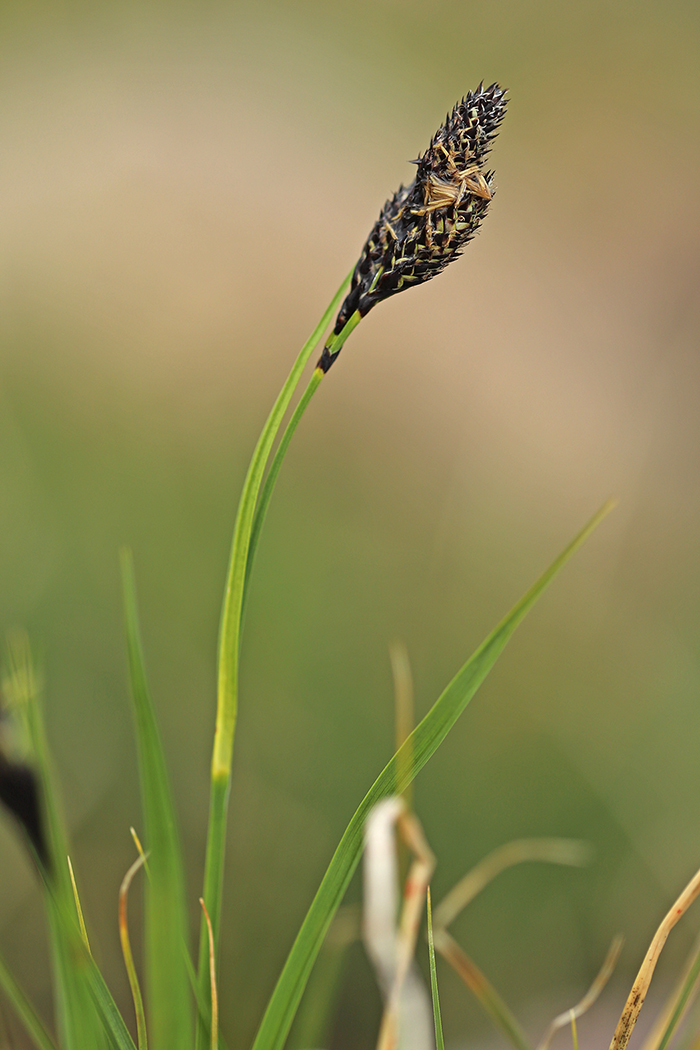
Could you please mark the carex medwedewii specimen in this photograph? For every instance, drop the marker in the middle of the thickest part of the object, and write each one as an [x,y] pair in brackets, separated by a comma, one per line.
[424,226]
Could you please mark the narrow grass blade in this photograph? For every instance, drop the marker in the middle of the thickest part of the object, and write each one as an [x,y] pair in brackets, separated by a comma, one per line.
[439,1037]
[679,1003]
[187,959]
[272,474]
[127,954]
[228,653]
[170,1013]
[335,342]
[112,1021]
[635,1000]
[33,1024]
[315,1014]
[422,744]
[212,981]
[97,1004]
[76,1021]
[78,906]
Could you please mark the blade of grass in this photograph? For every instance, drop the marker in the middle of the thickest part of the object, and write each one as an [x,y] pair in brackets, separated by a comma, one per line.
[33,1024]
[100,1008]
[281,451]
[112,1021]
[680,1001]
[335,342]
[313,1020]
[421,745]
[271,478]
[212,982]
[103,1011]
[635,1000]
[76,1021]
[170,1014]
[78,907]
[186,957]
[439,1038]
[128,957]
[229,645]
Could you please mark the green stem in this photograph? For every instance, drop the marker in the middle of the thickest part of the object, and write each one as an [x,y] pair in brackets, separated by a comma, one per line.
[270,480]
[229,646]
[334,344]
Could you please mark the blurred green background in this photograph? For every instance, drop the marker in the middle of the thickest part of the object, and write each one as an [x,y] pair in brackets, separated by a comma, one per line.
[184,187]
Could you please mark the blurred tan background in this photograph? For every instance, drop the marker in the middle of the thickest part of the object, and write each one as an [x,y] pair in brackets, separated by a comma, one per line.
[184,187]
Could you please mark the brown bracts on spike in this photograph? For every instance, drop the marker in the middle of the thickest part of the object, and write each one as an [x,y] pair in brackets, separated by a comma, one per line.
[424,226]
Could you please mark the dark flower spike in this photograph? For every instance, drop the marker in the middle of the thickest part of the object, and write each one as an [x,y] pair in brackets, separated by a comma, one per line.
[21,794]
[424,226]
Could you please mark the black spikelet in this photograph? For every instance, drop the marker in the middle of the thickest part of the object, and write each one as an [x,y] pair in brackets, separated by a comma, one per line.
[21,794]
[424,226]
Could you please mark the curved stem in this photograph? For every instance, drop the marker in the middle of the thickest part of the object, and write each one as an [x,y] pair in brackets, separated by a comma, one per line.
[333,346]
[271,479]
[229,646]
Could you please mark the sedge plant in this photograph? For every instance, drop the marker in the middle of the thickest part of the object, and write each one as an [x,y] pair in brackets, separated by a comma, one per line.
[420,230]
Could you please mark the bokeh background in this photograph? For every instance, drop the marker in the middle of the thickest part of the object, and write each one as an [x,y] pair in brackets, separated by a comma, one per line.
[184,187]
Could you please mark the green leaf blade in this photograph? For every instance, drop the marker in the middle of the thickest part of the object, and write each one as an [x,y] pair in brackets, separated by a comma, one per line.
[170,1014]
[112,1020]
[397,774]
[439,1037]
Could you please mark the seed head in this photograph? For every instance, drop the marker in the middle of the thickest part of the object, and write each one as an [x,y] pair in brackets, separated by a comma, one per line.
[424,226]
